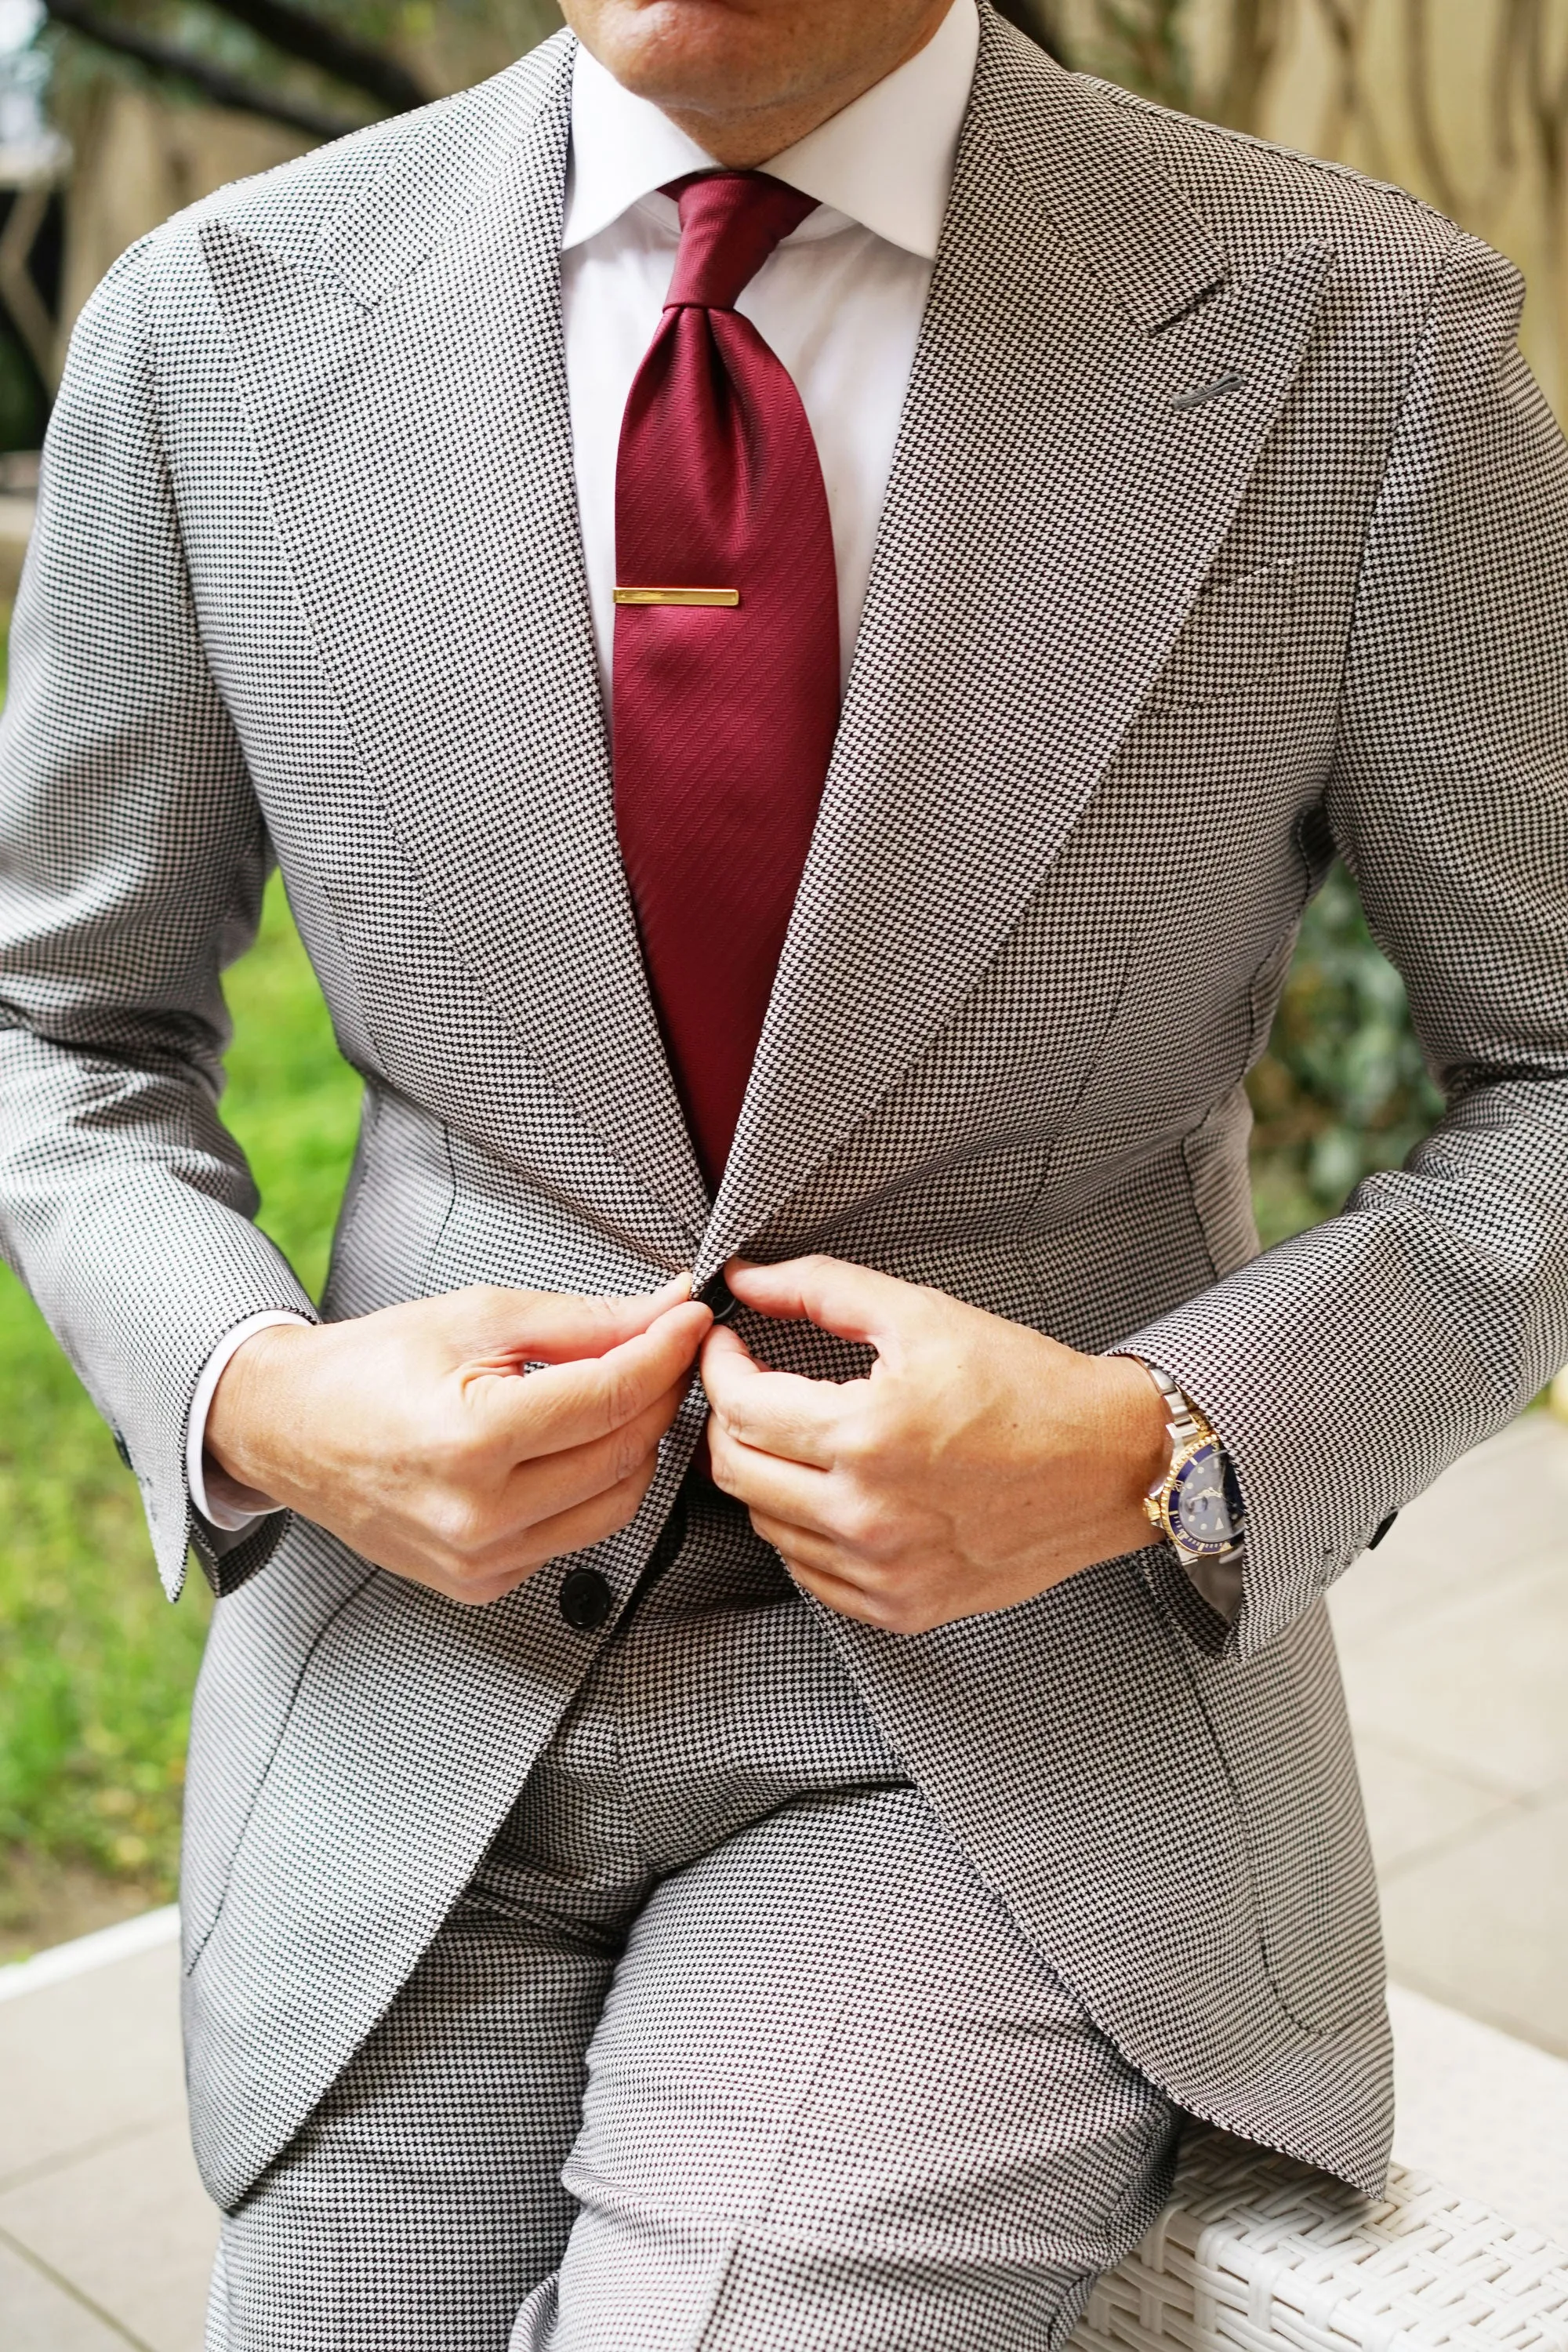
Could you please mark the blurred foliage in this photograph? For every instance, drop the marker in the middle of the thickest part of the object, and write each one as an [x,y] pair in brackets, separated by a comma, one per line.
[1141,44]
[245,64]
[421,49]
[24,403]
[96,1671]
[1342,1089]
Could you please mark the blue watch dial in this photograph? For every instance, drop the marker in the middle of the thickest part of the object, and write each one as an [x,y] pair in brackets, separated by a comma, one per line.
[1201,1505]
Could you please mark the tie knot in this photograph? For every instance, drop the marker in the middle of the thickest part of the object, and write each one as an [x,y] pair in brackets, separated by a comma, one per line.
[729,223]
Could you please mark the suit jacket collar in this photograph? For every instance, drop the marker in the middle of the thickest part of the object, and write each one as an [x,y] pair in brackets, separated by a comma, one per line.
[405,380]
[1051,514]
[1071,146]
[1056,500]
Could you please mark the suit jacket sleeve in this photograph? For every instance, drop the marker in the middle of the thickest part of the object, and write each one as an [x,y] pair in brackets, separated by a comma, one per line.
[1347,1368]
[133,857]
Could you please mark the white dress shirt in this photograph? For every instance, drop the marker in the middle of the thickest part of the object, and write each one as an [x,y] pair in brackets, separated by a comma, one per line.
[839,301]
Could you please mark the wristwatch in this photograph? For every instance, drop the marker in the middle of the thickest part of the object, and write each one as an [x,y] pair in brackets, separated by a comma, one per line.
[1196,1504]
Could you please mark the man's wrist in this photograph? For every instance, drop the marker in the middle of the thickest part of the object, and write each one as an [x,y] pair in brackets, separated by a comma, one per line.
[228,1467]
[1192,1500]
[1139,1443]
[1146,1438]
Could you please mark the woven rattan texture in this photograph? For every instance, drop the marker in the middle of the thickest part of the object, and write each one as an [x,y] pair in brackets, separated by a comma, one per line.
[1257,2253]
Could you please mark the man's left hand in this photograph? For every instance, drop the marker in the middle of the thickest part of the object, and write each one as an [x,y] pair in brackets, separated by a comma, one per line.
[978,1464]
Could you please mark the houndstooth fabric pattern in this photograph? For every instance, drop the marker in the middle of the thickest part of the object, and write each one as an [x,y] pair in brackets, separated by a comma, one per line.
[725,2045]
[1225,528]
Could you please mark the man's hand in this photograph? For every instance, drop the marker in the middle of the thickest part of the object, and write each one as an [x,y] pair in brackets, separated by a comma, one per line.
[978,1465]
[416,1436]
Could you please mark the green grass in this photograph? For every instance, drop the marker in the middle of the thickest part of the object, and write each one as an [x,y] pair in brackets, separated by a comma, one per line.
[96,1670]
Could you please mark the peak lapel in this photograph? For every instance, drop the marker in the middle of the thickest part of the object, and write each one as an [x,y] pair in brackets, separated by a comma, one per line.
[407,391]
[1054,506]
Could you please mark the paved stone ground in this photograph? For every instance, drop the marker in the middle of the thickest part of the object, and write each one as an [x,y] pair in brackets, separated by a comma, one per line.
[1454,1636]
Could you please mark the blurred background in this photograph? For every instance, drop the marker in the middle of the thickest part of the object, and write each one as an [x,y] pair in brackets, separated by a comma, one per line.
[113,114]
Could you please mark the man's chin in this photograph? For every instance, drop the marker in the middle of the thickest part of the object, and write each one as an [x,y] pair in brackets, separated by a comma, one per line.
[696,58]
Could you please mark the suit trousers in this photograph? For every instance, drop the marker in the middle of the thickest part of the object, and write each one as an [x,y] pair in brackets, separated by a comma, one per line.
[725,2045]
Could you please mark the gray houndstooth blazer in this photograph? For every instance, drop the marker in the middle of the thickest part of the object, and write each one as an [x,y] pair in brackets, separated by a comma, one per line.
[1227,529]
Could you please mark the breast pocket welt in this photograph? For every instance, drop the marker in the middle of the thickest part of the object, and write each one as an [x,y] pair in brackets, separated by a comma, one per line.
[1234,637]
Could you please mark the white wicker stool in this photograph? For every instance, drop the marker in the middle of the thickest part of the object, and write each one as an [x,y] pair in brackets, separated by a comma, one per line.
[1255,2253]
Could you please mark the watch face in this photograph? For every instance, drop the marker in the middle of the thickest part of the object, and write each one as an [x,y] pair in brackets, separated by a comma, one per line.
[1200,1506]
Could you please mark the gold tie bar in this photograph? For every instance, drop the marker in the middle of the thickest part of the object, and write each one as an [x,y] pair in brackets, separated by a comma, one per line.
[678,595]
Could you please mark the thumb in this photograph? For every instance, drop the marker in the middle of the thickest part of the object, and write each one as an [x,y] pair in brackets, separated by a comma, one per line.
[546,1326]
[849,1300]
[577,1402]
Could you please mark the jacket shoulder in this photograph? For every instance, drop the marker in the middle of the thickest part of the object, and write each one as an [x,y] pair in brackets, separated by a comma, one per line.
[1123,174]
[434,161]
[1259,197]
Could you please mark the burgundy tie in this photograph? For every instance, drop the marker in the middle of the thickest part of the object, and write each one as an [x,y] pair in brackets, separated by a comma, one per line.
[725,710]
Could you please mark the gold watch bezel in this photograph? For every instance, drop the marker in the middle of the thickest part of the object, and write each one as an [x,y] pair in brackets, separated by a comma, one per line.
[1157,1502]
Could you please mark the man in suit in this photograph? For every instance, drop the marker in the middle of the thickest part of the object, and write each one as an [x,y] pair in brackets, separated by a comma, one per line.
[799,708]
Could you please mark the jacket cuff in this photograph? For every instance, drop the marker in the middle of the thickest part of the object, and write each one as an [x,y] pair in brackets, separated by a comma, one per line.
[145,1373]
[1333,1413]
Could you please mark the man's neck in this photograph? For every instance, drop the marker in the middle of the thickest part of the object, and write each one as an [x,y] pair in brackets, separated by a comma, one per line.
[740,138]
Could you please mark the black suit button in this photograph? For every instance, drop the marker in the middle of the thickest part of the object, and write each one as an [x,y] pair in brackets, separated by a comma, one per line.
[718,1298]
[586,1599]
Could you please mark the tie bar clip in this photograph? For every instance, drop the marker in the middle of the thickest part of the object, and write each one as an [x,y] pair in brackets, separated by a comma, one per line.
[678,595]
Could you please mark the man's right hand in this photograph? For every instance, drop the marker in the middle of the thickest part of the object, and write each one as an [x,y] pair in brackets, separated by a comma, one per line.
[416,1436]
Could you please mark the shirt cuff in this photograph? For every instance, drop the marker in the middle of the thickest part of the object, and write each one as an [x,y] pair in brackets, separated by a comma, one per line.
[222,1501]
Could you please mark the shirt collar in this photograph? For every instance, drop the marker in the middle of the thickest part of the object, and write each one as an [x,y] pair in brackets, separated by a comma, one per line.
[886,160]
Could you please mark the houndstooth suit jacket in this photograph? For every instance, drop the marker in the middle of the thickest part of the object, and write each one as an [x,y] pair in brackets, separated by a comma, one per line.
[1227,528]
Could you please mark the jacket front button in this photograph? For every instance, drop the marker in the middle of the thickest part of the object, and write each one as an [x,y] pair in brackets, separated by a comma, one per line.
[718,1298]
[586,1599]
